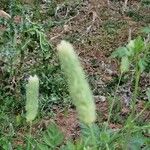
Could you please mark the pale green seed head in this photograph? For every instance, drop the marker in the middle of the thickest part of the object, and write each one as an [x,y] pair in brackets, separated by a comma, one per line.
[32,93]
[78,86]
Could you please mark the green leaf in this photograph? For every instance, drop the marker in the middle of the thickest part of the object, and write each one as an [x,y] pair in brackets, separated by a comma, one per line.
[4,143]
[120,52]
[69,146]
[86,133]
[146,30]
[138,45]
[136,142]
[125,64]
[78,145]
[142,64]
[105,137]
[53,137]
[47,140]
[42,147]
[29,143]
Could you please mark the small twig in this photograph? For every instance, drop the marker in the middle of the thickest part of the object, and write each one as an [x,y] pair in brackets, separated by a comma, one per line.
[140,113]
[66,29]
[54,37]
[72,18]
[4,14]
[129,37]
[147,39]
[125,5]
[67,12]
[95,16]
[108,3]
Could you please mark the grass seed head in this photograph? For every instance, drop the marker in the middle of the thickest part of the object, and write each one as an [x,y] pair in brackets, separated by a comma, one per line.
[32,93]
[78,86]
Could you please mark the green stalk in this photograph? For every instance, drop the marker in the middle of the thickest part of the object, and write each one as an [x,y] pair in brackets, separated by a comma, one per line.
[93,138]
[137,79]
[107,147]
[113,102]
[30,129]
[133,103]
[140,113]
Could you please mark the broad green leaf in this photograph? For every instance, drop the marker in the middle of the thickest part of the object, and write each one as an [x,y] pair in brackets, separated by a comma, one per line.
[120,52]
[125,64]
[146,30]
[47,141]
[53,137]
[142,64]
[136,142]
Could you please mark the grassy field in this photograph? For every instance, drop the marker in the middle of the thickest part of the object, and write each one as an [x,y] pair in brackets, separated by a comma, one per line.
[92,94]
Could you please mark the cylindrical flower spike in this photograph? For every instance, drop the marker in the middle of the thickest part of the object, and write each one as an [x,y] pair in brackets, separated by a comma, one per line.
[78,86]
[32,93]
